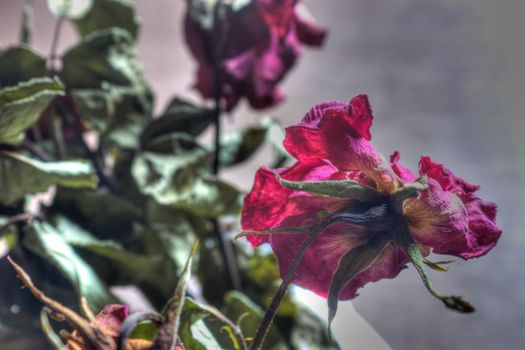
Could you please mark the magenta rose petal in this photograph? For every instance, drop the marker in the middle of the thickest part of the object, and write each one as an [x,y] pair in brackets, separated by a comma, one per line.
[262,42]
[323,235]
[339,133]
[277,203]
[480,232]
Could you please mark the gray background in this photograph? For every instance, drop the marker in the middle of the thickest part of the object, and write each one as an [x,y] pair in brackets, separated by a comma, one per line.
[445,78]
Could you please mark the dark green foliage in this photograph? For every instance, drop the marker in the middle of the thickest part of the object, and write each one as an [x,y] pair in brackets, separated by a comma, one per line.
[106,14]
[21,106]
[19,64]
[127,209]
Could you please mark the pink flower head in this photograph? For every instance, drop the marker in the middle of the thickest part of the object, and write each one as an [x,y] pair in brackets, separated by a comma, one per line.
[260,45]
[331,144]
[110,319]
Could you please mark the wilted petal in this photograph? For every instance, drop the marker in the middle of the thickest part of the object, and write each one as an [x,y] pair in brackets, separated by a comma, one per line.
[110,319]
[388,265]
[339,133]
[403,172]
[445,177]
[308,29]
[196,41]
[269,203]
[483,232]
[449,217]
[438,219]
[261,44]
[321,260]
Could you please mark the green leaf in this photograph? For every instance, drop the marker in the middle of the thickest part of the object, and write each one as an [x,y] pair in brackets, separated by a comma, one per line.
[236,147]
[211,271]
[109,87]
[129,265]
[106,56]
[50,333]
[44,240]
[436,265]
[352,263]
[71,9]
[309,330]
[156,239]
[176,144]
[19,64]
[173,228]
[106,14]
[21,175]
[260,269]
[119,114]
[104,215]
[21,106]
[178,181]
[247,315]
[167,335]
[144,330]
[8,236]
[179,117]
[205,328]
[334,188]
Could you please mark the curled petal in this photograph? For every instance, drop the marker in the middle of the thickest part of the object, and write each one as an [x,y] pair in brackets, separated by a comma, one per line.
[445,177]
[339,133]
[196,39]
[403,172]
[320,262]
[481,232]
[438,219]
[388,265]
[110,319]
[308,29]
[269,203]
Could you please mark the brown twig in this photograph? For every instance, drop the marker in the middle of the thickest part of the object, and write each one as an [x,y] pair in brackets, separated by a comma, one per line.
[24,217]
[94,338]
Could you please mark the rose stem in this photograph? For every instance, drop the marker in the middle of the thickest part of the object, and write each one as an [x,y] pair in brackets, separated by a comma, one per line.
[264,326]
[226,248]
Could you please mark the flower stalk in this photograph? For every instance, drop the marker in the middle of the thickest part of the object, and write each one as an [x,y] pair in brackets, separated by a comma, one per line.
[271,311]
[226,248]
[453,302]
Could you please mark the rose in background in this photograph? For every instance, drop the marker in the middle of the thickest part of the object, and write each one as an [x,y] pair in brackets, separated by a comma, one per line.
[262,42]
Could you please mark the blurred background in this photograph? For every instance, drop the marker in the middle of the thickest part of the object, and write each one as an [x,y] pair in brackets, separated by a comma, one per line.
[446,79]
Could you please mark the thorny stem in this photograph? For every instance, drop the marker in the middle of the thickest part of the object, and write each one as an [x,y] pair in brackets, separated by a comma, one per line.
[226,247]
[266,323]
